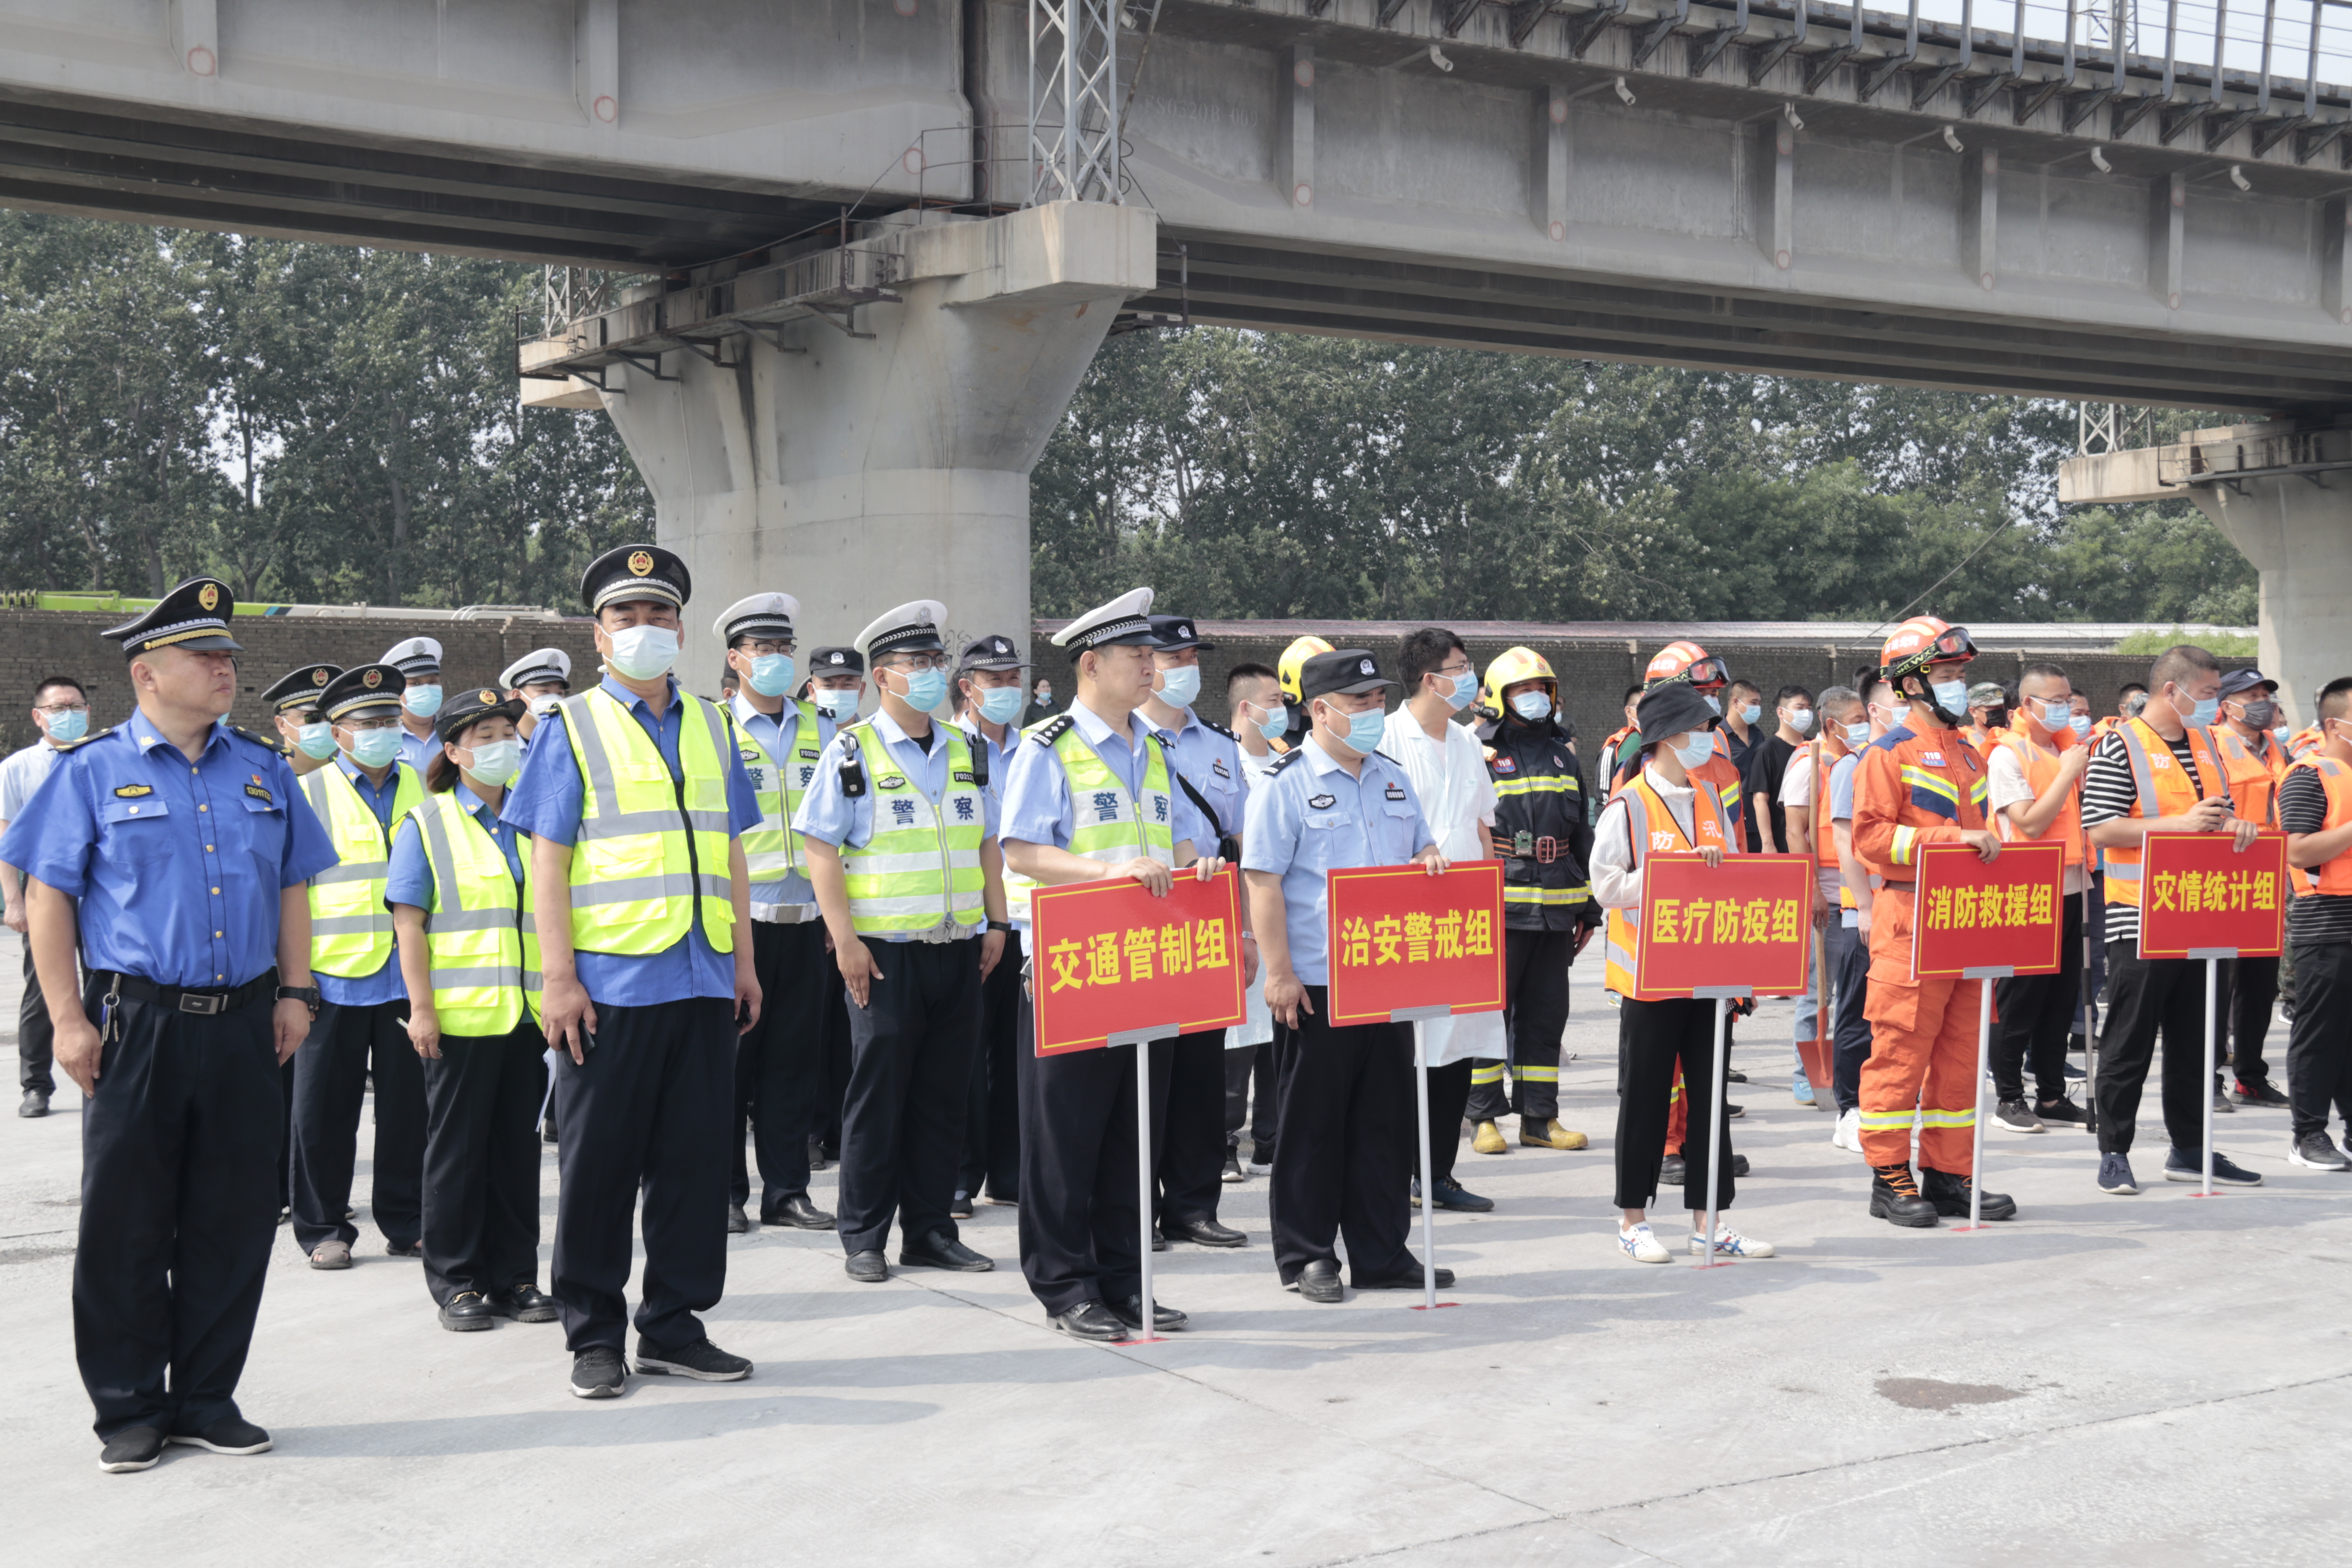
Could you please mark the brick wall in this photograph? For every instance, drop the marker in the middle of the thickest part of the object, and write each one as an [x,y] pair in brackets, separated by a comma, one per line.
[58,642]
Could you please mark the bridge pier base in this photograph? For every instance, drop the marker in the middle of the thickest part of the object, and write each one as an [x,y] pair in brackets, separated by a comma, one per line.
[2293,531]
[858,469]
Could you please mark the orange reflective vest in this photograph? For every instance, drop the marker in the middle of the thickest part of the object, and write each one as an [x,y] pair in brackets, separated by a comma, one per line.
[2335,876]
[2040,766]
[1658,829]
[2253,770]
[1825,855]
[2305,743]
[2161,790]
[1913,787]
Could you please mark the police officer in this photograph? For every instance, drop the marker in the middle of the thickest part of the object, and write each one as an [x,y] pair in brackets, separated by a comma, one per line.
[780,1065]
[836,684]
[306,740]
[539,679]
[988,683]
[361,1031]
[1347,1093]
[901,839]
[419,662]
[170,849]
[458,896]
[1080,1227]
[635,800]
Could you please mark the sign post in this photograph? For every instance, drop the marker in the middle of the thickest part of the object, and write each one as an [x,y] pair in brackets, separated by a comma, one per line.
[2201,897]
[1980,919]
[1406,946]
[1111,954]
[1738,929]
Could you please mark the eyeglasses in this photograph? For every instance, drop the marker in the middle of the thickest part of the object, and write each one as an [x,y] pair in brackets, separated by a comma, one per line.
[761,649]
[54,709]
[358,726]
[919,662]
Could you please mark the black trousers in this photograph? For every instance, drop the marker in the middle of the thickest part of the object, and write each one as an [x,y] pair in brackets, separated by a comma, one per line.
[1081,1213]
[2319,1039]
[36,1035]
[2146,997]
[911,1050]
[991,1117]
[179,1208]
[1347,1145]
[1653,1038]
[1535,1017]
[481,1162]
[1849,1030]
[836,1062]
[1188,1129]
[1449,1094]
[647,1111]
[1258,1112]
[331,1081]
[2032,1016]
[779,1066]
[2250,987]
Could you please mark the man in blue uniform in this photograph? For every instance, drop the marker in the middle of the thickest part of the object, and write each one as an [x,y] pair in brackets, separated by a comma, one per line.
[179,838]
[540,680]
[418,659]
[635,801]
[1347,1093]
[989,706]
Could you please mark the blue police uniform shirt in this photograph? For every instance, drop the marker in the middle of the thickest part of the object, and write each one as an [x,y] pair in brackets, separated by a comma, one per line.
[1212,764]
[545,802]
[386,985]
[1310,818]
[410,880]
[178,866]
[999,756]
[418,750]
[1037,808]
[780,736]
[829,815]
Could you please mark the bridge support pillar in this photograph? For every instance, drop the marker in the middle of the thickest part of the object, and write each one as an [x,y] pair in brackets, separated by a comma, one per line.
[860,469]
[2293,532]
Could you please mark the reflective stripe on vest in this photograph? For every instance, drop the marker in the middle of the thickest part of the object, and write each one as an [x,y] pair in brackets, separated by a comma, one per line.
[1825,853]
[2040,767]
[482,939]
[771,851]
[920,868]
[1107,823]
[652,851]
[2158,781]
[2335,877]
[1660,831]
[351,925]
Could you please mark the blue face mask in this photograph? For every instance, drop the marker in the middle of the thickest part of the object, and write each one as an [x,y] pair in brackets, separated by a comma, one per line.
[422,700]
[1700,746]
[2280,733]
[925,688]
[375,748]
[2081,724]
[1365,730]
[771,674]
[1178,688]
[1715,703]
[1750,712]
[1276,722]
[2056,715]
[1857,736]
[1465,687]
[837,702]
[1001,704]
[318,741]
[1532,705]
[2207,712]
[1951,696]
[1801,719]
[70,725]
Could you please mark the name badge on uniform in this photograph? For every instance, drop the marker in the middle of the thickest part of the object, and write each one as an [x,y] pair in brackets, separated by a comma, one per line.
[808,753]
[1506,764]
[1933,759]
[963,775]
[895,781]
[132,791]
[1322,802]
[1395,791]
[1217,767]
[258,793]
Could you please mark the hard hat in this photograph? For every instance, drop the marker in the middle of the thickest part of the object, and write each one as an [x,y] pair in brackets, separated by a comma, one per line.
[1687,662]
[1919,642]
[1294,658]
[1512,666]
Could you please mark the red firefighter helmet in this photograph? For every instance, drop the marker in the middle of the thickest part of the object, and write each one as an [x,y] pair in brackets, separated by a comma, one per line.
[1687,662]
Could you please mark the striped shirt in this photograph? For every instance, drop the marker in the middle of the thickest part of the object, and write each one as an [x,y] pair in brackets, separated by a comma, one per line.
[2312,918]
[2109,792]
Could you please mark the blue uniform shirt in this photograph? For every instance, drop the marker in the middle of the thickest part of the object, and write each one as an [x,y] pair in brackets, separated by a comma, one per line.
[1000,758]
[1212,764]
[418,750]
[1309,817]
[780,736]
[178,866]
[386,984]
[831,817]
[545,802]
[1037,807]
[410,880]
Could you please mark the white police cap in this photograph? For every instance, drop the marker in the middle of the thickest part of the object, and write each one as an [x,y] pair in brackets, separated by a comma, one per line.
[1126,619]
[537,667]
[417,655]
[911,627]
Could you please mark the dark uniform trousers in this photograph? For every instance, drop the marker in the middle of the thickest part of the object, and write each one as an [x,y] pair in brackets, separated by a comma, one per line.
[1188,1129]
[481,1162]
[1849,1028]
[1449,1097]
[2319,1039]
[911,1050]
[1347,1145]
[991,1121]
[648,1108]
[1535,1016]
[1653,1038]
[36,1035]
[1081,1219]
[1257,1112]
[2146,996]
[779,1066]
[179,1210]
[2248,987]
[2032,1016]
[836,1062]
[330,1082]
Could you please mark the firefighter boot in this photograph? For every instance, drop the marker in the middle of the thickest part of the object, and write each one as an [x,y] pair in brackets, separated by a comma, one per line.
[1490,1140]
[1548,1133]
[1895,1197]
[1950,1193]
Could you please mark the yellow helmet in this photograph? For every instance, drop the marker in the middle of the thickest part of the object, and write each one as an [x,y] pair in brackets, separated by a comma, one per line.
[1512,666]
[1293,659]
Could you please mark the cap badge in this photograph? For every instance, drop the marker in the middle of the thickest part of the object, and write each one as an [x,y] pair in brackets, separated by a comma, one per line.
[371,678]
[490,696]
[208,596]
[640,562]
[1368,666]
[318,677]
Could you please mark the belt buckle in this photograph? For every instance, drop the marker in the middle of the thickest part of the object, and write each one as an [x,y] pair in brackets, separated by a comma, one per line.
[1547,850]
[195,1002]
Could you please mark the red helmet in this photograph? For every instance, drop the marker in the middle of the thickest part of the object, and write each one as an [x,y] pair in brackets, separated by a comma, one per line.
[1687,662]
[1921,641]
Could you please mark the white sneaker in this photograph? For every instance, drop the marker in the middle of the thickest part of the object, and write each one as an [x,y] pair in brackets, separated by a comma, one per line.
[1848,1131]
[1257,1170]
[1730,1243]
[1641,1246]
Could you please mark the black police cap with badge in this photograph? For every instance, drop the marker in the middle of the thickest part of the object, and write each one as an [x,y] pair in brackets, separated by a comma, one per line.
[1178,632]
[1342,672]
[837,661]
[636,572]
[299,690]
[990,653]
[471,706]
[194,616]
[362,691]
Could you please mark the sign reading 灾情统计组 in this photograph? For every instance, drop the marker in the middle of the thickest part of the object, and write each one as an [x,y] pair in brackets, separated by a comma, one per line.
[1740,924]
[1401,938]
[1968,912]
[2199,891]
[1109,957]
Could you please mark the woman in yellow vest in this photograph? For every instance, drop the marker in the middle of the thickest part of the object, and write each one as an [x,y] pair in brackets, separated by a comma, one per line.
[1664,806]
[470,949]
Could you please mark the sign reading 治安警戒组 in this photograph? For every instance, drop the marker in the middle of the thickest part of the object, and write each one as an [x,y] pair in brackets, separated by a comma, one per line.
[1400,939]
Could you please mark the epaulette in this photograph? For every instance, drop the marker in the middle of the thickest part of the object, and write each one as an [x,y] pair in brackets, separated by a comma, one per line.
[1286,760]
[1217,729]
[1052,730]
[270,743]
[102,734]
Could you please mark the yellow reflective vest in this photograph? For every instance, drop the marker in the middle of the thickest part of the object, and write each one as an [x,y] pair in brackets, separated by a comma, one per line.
[772,851]
[1107,823]
[651,855]
[351,925]
[920,868]
[482,939]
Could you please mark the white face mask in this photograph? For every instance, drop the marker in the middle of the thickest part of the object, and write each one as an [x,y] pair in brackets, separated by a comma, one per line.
[643,653]
[543,706]
[495,762]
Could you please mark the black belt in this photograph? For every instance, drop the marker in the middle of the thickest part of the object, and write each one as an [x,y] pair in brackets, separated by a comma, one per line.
[182,999]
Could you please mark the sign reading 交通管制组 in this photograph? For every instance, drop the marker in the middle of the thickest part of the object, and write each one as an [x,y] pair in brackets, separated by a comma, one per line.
[1401,938]
[1107,957]
[2199,891]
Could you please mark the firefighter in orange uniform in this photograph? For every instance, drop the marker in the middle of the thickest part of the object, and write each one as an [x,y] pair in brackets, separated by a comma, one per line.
[1917,785]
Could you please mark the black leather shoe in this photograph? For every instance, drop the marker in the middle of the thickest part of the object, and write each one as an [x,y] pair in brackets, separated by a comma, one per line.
[799,1213]
[1129,1311]
[1202,1233]
[1406,1279]
[1896,1197]
[1159,1242]
[940,1250]
[1453,1194]
[525,1304]
[959,1207]
[867,1268]
[37,1103]
[738,1223]
[1319,1281]
[1089,1320]
[1950,1193]
[467,1313]
[133,1449]
[1670,1170]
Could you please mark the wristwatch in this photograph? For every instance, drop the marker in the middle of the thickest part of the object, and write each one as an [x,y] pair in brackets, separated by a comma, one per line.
[306,995]
[1004,926]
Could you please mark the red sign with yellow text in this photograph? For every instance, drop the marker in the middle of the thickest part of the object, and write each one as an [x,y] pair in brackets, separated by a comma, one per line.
[1971,913]
[1401,938]
[2198,891]
[1741,923]
[1109,957]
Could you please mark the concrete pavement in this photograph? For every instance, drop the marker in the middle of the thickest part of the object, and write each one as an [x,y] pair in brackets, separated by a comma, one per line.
[2106,1379]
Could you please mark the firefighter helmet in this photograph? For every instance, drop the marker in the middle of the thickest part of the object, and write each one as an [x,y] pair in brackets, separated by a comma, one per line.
[1921,641]
[1293,659]
[1687,662]
[1512,666]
